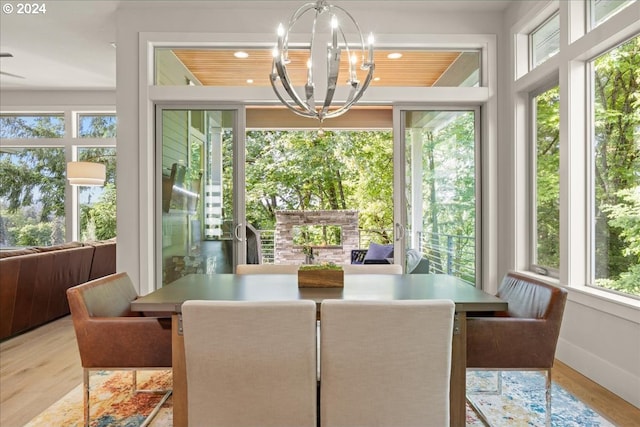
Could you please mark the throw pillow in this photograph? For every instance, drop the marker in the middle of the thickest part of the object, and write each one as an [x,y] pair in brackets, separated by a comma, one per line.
[378,252]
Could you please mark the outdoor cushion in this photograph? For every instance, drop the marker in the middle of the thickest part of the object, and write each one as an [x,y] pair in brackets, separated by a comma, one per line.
[378,252]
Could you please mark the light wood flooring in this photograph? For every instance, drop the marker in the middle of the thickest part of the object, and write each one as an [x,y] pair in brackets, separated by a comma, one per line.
[41,366]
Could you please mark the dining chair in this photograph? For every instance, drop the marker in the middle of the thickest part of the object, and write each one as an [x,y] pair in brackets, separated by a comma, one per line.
[522,338]
[112,337]
[267,269]
[250,363]
[372,269]
[385,363]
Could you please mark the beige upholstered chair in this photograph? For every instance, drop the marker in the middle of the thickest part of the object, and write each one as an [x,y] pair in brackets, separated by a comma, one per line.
[267,269]
[385,363]
[372,269]
[522,338]
[112,337]
[250,363]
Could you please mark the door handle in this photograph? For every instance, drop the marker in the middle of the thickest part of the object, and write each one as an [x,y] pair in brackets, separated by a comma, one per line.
[399,231]
[236,232]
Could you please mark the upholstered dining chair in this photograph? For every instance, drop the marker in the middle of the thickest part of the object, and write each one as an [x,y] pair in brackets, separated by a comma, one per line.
[267,269]
[250,363]
[112,337]
[522,338]
[372,269]
[385,363]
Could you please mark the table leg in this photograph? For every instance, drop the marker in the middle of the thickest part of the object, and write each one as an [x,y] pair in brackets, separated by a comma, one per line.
[458,383]
[179,375]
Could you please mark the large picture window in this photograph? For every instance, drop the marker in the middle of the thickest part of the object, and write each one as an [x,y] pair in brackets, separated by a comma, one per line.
[616,169]
[34,207]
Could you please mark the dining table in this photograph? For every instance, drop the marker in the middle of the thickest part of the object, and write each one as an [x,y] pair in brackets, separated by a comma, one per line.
[284,287]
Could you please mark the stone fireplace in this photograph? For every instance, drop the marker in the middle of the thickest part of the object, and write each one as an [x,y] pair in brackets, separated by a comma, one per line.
[289,222]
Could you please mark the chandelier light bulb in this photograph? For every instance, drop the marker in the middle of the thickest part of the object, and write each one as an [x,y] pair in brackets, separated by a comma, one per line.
[341,25]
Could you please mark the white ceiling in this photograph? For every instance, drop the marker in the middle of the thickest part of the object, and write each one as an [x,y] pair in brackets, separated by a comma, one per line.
[69,46]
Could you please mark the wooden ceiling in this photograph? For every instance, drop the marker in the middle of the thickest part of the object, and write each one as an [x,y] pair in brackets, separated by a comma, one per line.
[219,67]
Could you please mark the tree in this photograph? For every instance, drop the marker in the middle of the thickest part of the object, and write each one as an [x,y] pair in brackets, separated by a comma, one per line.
[298,170]
[617,154]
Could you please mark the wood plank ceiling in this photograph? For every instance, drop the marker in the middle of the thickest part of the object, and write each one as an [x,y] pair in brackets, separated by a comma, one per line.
[219,67]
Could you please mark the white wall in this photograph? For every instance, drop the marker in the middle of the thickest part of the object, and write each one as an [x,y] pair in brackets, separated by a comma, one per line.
[34,100]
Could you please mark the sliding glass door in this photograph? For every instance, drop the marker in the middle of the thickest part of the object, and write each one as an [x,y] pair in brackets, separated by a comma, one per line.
[437,189]
[198,206]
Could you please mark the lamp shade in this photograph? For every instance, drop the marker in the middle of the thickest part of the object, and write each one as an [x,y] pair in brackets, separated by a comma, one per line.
[86,173]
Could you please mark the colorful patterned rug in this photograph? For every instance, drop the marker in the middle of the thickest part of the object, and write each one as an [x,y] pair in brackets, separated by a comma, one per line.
[112,402]
[522,401]
[520,404]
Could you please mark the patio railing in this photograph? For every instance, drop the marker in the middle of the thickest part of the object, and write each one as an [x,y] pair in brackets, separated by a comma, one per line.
[444,253]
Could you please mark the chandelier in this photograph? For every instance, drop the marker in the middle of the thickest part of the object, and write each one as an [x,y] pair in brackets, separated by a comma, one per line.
[340,22]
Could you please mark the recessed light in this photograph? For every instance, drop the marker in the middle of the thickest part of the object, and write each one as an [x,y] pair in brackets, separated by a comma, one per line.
[394,55]
[250,81]
[376,79]
[241,54]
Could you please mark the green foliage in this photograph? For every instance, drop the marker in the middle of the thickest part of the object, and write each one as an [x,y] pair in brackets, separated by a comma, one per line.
[34,176]
[617,161]
[323,266]
[296,170]
[99,220]
[548,178]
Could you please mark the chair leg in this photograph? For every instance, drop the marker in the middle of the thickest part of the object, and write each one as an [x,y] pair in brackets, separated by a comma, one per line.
[547,421]
[85,382]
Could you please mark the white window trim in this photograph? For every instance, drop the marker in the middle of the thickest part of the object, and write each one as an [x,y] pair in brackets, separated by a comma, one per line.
[577,47]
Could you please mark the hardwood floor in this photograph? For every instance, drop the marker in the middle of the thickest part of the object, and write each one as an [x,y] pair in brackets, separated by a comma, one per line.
[41,366]
[36,369]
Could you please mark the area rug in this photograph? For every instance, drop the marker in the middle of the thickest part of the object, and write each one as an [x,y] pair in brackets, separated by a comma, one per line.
[520,404]
[522,401]
[112,402]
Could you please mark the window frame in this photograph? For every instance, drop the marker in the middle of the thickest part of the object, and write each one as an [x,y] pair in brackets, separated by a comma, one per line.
[577,47]
[530,49]
[590,187]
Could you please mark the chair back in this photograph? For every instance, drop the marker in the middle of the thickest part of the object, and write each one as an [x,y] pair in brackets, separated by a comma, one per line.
[385,363]
[109,334]
[267,269]
[109,296]
[523,337]
[372,269]
[250,363]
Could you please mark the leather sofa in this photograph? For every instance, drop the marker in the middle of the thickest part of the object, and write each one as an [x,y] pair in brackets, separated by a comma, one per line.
[34,281]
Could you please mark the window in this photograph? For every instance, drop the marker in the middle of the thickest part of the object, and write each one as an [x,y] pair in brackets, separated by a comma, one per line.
[601,10]
[545,41]
[32,186]
[615,183]
[96,125]
[14,126]
[546,139]
[97,205]
[34,209]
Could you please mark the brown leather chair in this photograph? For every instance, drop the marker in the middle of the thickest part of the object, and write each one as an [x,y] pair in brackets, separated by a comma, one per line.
[112,337]
[522,338]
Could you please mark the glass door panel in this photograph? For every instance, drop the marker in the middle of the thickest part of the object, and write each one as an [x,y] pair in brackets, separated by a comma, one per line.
[197,203]
[440,192]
